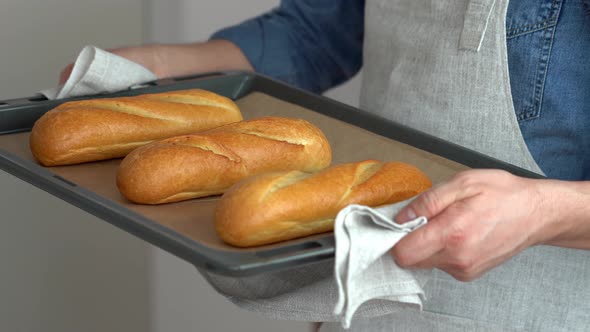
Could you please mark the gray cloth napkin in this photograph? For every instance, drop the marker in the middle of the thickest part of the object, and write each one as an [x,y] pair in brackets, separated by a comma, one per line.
[363,279]
[97,71]
[364,270]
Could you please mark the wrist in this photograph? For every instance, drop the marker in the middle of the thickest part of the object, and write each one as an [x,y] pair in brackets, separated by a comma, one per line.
[565,212]
[151,56]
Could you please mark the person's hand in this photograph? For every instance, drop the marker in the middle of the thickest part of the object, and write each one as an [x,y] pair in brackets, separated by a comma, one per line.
[477,220]
[148,56]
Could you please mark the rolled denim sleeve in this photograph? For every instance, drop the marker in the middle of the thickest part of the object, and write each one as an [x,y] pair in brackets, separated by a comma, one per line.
[312,44]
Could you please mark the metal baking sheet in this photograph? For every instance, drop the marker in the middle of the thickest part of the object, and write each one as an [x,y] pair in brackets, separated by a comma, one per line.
[185,229]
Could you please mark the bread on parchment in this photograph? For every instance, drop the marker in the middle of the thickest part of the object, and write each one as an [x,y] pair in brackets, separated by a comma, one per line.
[98,129]
[208,163]
[281,206]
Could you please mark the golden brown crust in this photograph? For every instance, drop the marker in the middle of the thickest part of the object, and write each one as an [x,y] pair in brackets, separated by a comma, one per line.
[208,163]
[98,129]
[281,206]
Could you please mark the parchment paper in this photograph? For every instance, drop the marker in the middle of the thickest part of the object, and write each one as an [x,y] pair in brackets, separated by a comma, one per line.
[194,218]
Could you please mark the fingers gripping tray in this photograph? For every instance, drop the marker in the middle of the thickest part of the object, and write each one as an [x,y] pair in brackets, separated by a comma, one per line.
[186,229]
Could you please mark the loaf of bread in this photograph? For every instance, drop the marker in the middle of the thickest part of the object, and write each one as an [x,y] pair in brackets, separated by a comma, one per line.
[98,129]
[210,162]
[281,206]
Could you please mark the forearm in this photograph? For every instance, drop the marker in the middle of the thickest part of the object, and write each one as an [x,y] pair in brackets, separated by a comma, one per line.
[170,60]
[566,208]
[214,55]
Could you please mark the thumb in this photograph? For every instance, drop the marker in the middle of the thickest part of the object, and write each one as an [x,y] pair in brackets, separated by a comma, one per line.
[432,202]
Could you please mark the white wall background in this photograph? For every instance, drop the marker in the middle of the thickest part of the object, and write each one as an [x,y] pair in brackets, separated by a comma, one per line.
[62,269]
[40,37]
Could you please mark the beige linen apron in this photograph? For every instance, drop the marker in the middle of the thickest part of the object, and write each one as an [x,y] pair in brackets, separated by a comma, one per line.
[447,73]
[448,76]
[440,66]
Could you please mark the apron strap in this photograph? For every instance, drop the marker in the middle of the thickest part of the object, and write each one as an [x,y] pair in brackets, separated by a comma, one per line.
[475,24]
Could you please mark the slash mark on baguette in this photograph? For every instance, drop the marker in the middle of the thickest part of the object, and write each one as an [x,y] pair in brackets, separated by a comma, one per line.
[131,110]
[108,148]
[363,173]
[302,142]
[283,182]
[184,99]
[214,148]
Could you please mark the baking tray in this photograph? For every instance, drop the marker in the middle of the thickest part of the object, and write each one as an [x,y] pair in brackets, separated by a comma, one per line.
[185,229]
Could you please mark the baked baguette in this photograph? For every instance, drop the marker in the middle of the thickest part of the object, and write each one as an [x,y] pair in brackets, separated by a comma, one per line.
[208,163]
[281,206]
[97,129]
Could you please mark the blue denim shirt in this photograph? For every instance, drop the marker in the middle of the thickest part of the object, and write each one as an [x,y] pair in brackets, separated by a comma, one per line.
[317,44]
